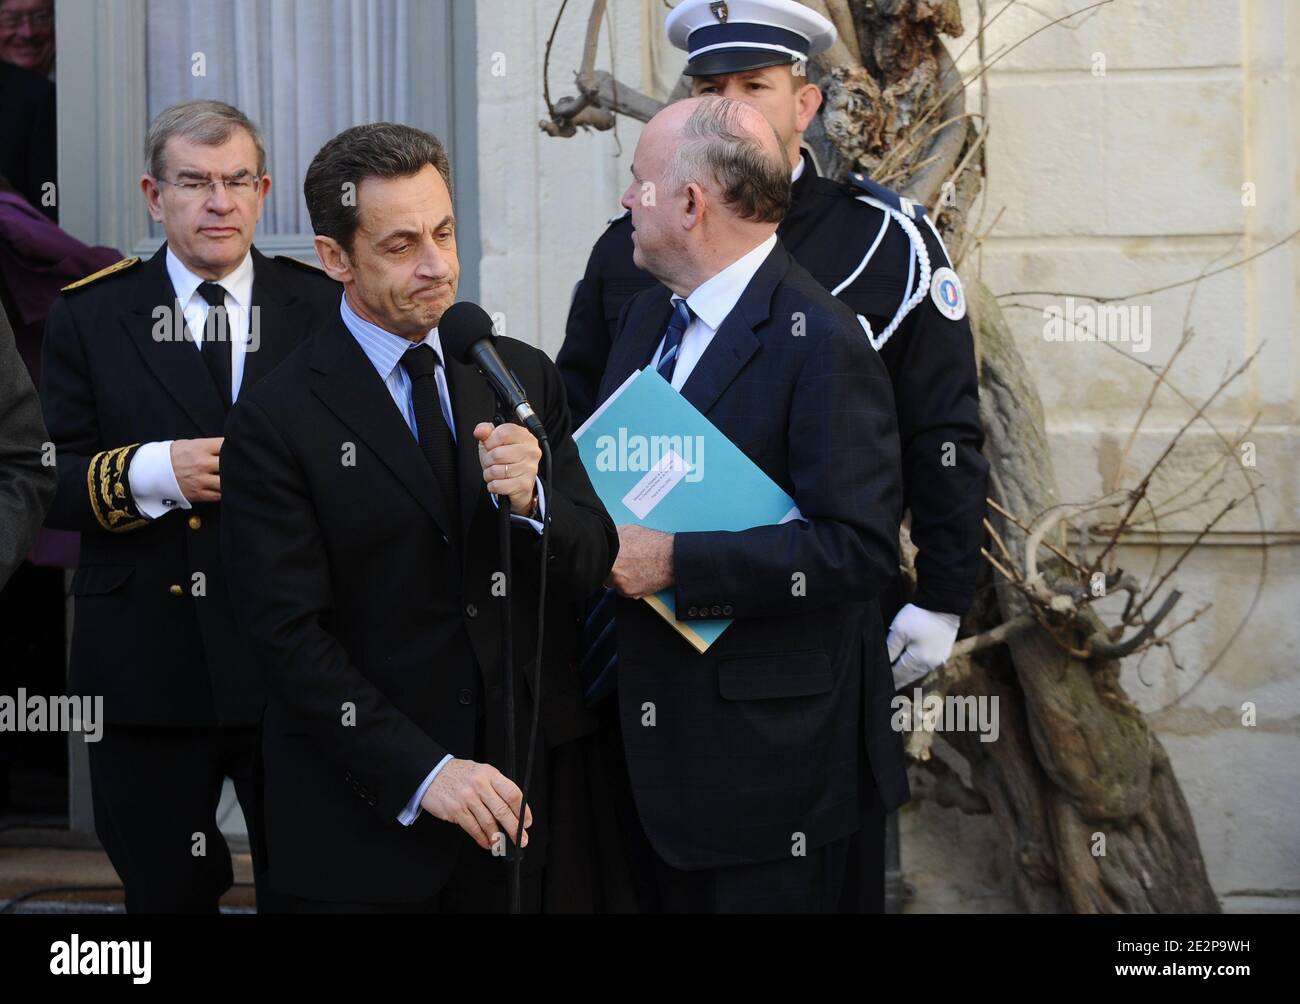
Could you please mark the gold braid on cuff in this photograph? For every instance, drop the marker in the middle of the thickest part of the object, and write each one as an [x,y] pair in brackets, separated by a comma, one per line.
[110,490]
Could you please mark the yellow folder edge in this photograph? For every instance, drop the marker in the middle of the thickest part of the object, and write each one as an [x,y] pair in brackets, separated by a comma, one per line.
[687,632]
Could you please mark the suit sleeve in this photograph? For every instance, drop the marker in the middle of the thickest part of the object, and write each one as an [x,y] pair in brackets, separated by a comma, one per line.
[26,485]
[585,351]
[844,466]
[945,475]
[94,490]
[583,539]
[278,575]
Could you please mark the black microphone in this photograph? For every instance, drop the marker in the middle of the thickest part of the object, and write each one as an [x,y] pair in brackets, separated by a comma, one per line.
[466,334]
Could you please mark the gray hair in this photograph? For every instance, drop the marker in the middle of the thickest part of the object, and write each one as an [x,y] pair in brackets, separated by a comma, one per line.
[716,145]
[207,123]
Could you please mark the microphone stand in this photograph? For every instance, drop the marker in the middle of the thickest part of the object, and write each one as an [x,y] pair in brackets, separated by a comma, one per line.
[515,853]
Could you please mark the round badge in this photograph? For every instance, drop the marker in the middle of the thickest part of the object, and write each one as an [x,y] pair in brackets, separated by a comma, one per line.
[947,294]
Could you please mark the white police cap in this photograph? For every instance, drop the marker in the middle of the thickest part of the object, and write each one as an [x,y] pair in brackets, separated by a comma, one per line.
[730,36]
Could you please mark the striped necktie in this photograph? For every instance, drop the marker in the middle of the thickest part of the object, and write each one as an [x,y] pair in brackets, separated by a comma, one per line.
[677,325]
[599,667]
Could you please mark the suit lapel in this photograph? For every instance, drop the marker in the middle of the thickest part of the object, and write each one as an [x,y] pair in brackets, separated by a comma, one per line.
[281,319]
[735,342]
[347,384]
[172,356]
[472,402]
[634,348]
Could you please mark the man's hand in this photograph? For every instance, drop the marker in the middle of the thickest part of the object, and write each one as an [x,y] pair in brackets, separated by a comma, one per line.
[197,465]
[479,799]
[509,455]
[919,641]
[644,565]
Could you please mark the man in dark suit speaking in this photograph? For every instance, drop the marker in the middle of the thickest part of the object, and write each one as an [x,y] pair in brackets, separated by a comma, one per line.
[362,547]
[749,763]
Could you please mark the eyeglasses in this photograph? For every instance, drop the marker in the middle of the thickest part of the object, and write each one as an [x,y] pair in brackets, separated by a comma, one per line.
[240,186]
[36,19]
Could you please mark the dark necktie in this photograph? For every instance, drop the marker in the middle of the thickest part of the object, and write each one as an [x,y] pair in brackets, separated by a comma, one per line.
[421,364]
[599,666]
[677,325]
[216,351]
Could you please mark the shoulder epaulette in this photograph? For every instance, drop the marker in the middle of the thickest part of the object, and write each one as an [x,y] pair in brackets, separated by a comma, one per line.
[298,263]
[910,208]
[906,213]
[125,265]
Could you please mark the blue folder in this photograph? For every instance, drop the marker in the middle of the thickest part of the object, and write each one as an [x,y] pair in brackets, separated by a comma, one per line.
[656,461]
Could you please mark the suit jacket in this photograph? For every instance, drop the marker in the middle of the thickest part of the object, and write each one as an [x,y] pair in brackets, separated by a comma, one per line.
[153,632]
[769,733]
[357,592]
[930,358]
[26,483]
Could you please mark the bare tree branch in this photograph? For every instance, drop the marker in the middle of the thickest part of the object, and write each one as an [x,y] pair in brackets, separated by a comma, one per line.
[1101,647]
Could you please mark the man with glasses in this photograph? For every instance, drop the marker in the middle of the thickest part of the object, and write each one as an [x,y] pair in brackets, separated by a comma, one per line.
[27,35]
[142,363]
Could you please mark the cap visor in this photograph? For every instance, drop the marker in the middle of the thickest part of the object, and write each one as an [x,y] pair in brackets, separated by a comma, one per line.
[715,64]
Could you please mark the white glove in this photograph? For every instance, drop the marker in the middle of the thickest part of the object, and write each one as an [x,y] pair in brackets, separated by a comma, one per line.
[919,640]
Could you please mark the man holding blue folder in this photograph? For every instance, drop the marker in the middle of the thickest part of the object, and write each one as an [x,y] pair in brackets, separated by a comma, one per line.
[749,763]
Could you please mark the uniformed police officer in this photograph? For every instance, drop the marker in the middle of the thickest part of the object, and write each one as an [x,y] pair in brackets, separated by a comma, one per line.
[141,364]
[880,254]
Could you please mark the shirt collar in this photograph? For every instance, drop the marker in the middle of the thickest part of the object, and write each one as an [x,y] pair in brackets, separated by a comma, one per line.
[238,284]
[804,174]
[717,297]
[383,348]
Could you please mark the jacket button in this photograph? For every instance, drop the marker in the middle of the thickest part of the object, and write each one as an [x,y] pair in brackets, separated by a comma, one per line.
[196,522]
[471,610]
[466,697]
[371,800]
[176,591]
[726,611]
[693,612]
[716,611]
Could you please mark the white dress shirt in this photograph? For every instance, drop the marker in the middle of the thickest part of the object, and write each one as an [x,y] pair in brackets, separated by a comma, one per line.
[152,478]
[711,302]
